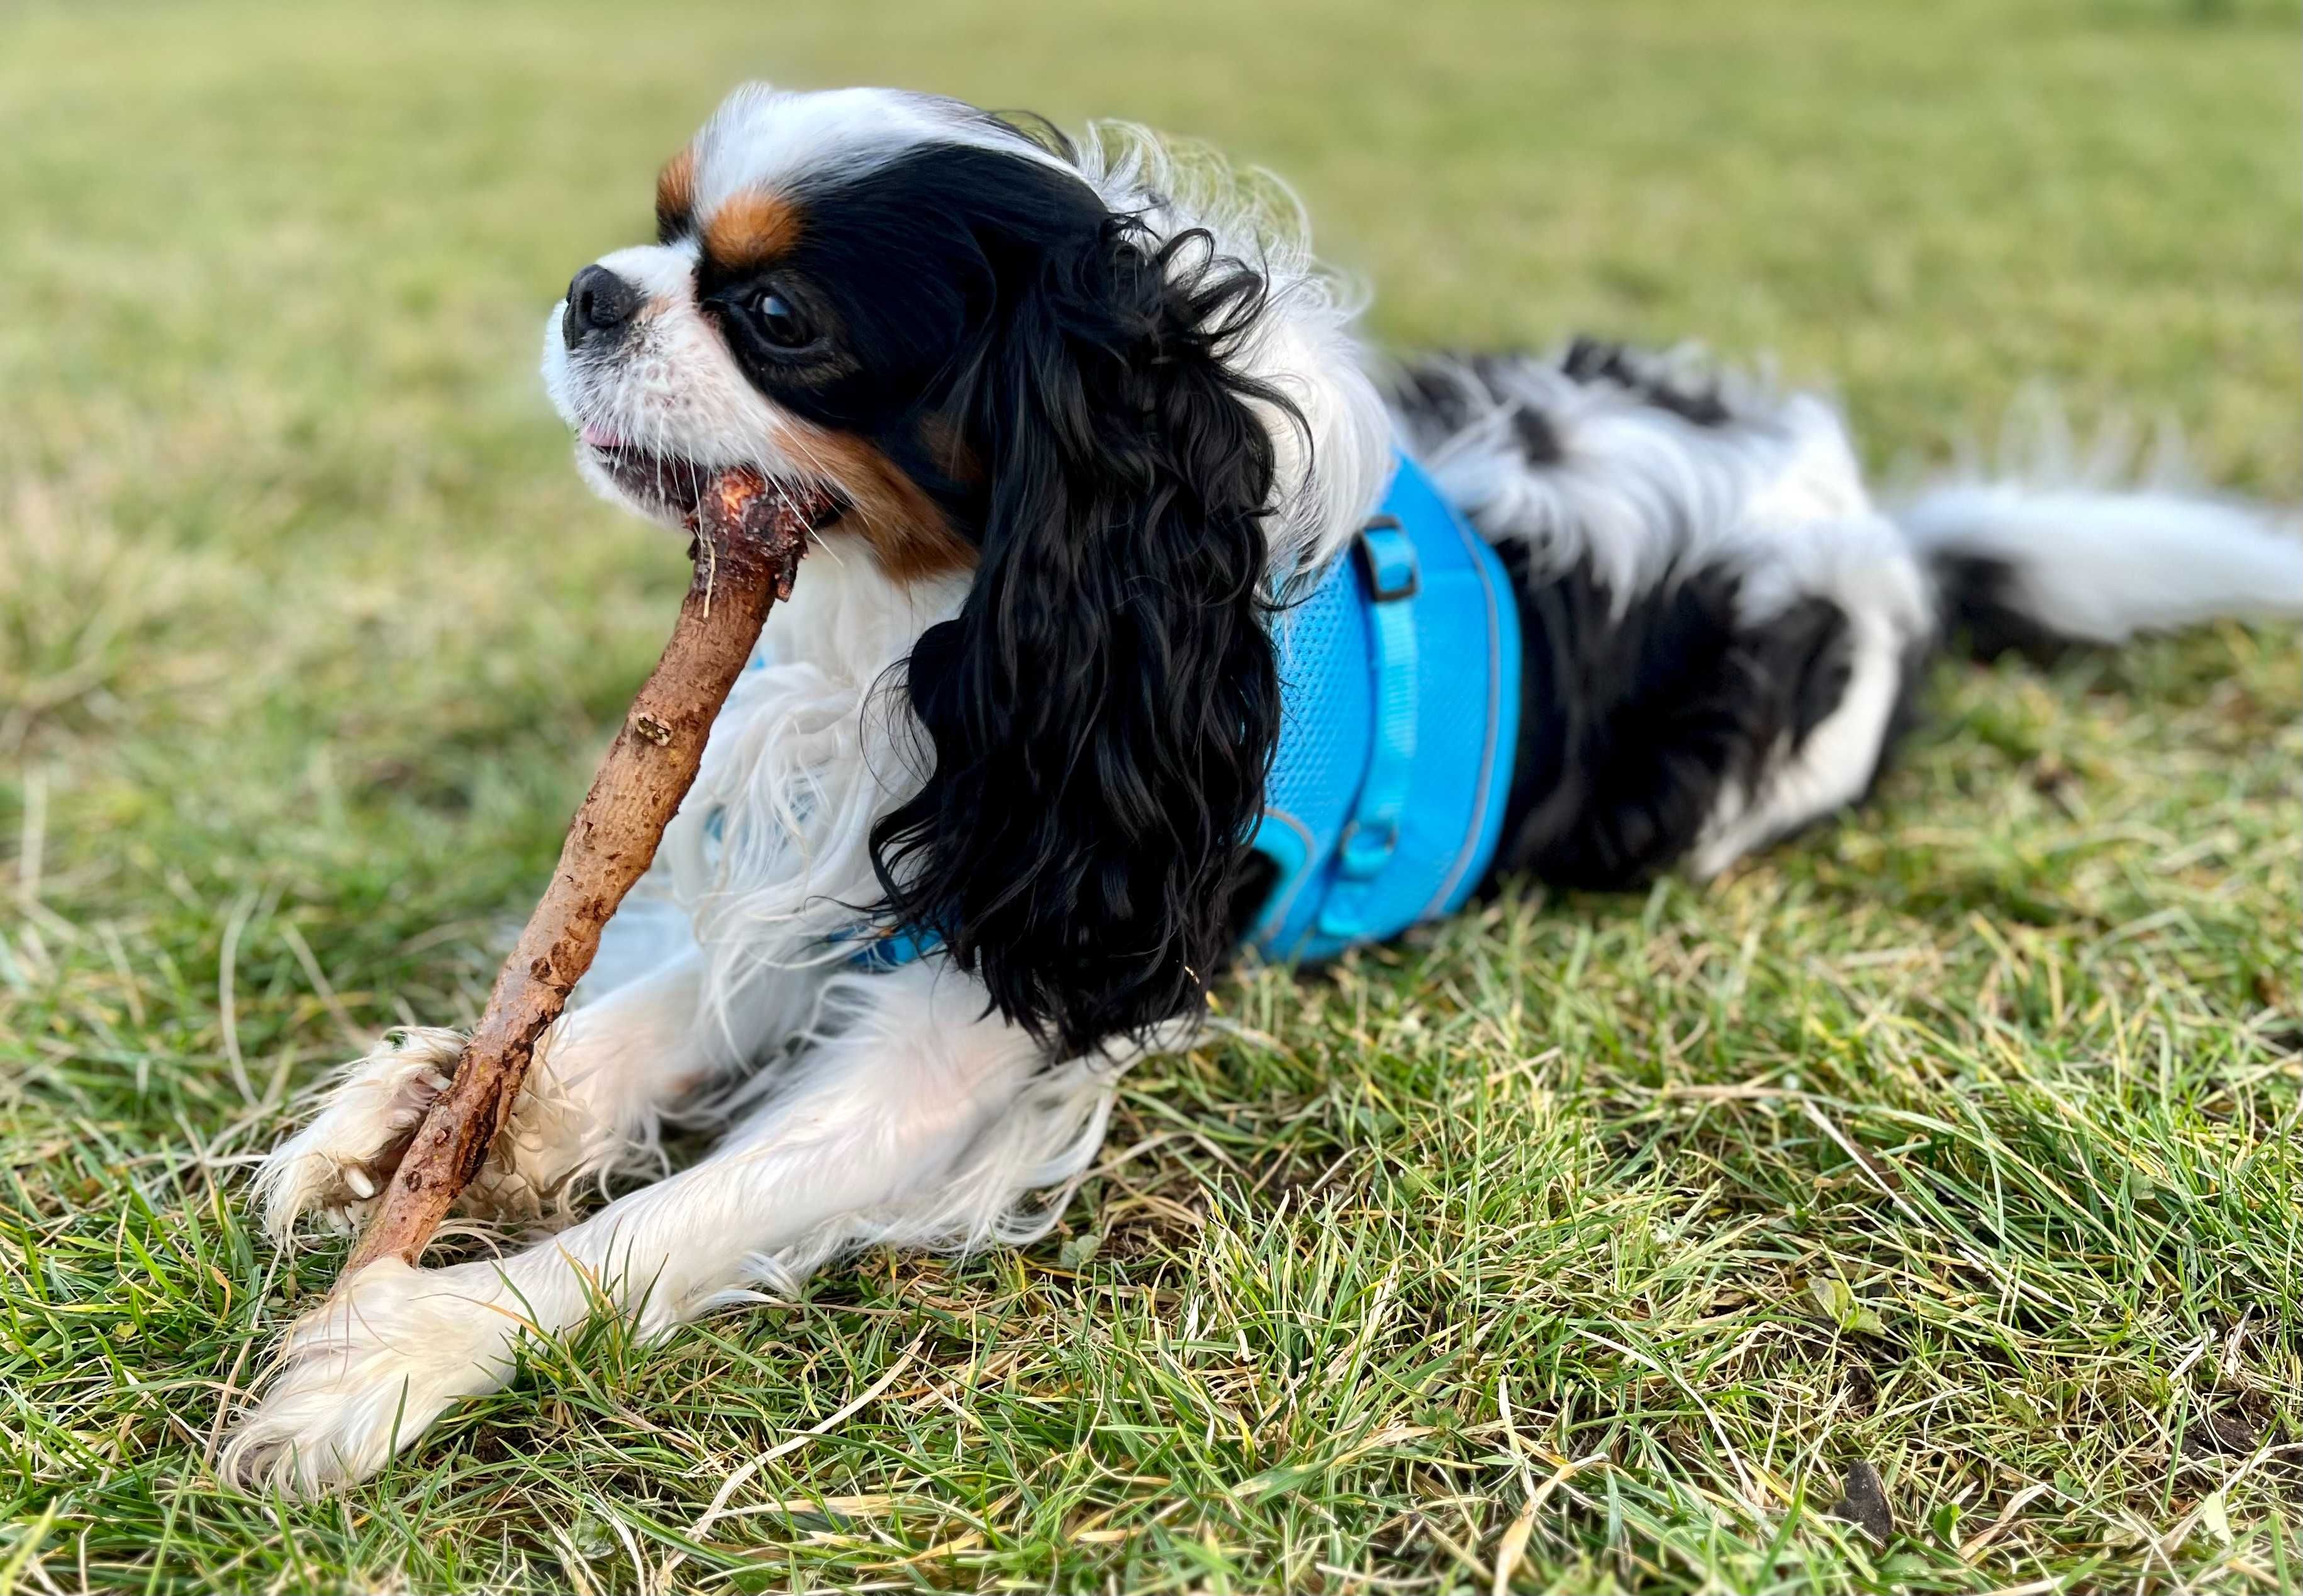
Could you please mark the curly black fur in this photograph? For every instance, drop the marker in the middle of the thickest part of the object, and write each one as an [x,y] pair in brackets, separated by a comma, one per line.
[1599,360]
[1104,708]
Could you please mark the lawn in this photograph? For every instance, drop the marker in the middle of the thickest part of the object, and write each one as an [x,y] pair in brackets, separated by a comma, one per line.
[1583,1244]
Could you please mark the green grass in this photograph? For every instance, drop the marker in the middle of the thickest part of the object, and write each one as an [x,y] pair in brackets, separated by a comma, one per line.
[1961,1140]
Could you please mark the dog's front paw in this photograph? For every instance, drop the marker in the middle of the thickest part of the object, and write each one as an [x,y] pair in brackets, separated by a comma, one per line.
[335,1166]
[365,1374]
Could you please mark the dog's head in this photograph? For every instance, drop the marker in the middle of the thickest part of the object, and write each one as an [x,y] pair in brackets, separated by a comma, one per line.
[1032,372]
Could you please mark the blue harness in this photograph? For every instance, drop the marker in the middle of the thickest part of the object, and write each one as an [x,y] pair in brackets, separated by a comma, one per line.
[1399,712]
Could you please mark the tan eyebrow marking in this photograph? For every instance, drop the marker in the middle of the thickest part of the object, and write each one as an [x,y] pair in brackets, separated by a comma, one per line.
[675,195]
[751,229]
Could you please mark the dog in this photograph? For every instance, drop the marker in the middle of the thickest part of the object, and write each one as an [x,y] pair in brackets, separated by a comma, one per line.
[1160,619]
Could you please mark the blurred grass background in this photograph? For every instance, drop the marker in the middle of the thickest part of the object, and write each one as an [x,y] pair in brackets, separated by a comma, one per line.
[1593,1239]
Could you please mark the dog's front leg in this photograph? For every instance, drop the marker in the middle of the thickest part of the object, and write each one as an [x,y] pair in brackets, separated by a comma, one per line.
[915,1119]
[603,1075]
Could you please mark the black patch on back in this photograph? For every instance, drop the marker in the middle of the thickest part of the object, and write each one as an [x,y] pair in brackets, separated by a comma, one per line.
[1598,360]
[1440,395]
[1629,724]
[1431,397]
[1537,440]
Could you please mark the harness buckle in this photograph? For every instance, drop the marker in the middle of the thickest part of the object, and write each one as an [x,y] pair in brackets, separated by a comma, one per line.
[1390,579]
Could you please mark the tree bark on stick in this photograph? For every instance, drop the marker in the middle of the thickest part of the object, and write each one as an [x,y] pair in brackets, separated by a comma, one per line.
[748,542]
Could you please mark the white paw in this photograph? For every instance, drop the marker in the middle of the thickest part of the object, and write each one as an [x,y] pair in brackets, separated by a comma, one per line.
[365,1374]
[336,1165]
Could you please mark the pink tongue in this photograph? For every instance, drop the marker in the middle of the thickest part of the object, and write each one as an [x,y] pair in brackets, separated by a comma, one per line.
[600,437]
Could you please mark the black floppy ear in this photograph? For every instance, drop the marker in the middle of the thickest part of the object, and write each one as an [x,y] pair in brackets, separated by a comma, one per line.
[1104,708]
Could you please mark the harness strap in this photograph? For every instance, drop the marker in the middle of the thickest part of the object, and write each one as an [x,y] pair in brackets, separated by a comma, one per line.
[1371,836]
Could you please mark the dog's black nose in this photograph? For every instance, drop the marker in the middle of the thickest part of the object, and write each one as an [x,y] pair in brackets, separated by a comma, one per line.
[598,300]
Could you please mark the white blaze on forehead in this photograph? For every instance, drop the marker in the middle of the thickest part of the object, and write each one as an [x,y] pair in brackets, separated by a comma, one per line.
[766,138]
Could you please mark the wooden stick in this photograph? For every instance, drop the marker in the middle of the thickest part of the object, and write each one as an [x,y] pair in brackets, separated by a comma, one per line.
[747,551]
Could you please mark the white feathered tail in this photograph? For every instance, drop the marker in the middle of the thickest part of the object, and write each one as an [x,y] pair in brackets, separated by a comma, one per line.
[2052,551]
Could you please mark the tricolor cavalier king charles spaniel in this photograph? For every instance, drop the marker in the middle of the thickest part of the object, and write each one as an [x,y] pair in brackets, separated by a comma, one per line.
[1095,418]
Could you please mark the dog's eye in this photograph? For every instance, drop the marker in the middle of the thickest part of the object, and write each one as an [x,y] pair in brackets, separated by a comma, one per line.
[780,322]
